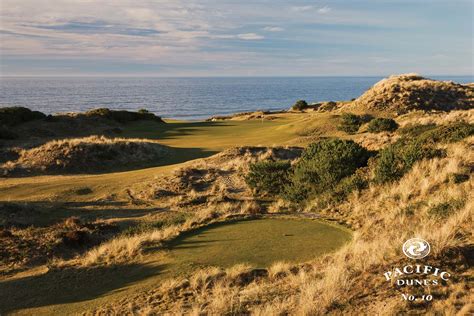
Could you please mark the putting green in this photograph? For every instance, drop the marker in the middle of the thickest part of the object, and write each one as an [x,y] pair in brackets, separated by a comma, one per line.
[258,242]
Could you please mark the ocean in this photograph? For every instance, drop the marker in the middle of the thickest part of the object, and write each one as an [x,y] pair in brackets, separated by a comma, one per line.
[181,98]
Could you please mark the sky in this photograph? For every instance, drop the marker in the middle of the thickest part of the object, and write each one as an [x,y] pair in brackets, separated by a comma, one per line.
[235,37]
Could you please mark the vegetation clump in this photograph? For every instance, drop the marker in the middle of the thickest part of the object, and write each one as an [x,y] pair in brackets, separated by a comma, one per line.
[379,125]
[123,116]
[300,105]
[6,133]
[415,130]
[395,160]
[350,123]
[323,165]
[319,171]
[445,209]
[11,116]
[449,133]
[270,177]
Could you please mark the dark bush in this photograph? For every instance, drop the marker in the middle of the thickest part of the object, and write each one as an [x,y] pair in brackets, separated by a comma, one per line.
[269,176]
[11,116]
[122,116]
[458,177]
[350,122]
[5,133]
[324,164]
[395,160]
[76,238]
[382,125]
[356,182]
[445,209]
[300,105]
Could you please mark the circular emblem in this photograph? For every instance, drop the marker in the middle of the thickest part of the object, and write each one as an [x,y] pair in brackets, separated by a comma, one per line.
[416,248]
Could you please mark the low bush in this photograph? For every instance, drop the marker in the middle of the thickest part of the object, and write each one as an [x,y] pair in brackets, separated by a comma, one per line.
[300,105]
[458,177]
[448,133]
[379,125]
[5,133]
[268,177]
[11,116]
[354,183]
[445,209]
[432,133]
[323,165]
[123,116]
[350,123]
[415,130]
[395,160]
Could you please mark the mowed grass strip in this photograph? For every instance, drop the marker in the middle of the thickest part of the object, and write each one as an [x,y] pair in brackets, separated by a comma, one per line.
[257,242]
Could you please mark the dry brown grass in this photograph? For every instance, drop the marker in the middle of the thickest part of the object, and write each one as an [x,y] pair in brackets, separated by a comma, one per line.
[403,93]
[86,154]
[349,281]
[440,118]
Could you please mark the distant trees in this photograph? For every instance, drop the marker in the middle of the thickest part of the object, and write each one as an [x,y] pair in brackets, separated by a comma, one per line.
[300,105]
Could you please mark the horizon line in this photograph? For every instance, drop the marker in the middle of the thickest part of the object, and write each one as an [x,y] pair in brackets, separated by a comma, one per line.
[227,76]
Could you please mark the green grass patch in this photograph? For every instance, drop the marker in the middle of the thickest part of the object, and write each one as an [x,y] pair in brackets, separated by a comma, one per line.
[258,242]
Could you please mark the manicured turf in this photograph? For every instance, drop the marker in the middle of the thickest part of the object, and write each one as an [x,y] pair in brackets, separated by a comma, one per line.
[258,242]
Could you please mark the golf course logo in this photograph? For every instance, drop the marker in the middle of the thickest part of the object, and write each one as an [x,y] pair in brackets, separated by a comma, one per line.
[416,248]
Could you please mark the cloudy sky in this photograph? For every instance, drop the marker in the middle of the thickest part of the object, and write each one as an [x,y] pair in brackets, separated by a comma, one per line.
[236,37]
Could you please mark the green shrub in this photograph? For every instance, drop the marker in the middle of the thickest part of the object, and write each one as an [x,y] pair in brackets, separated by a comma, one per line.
[356,182]
[413,131]
[122,116]
[323,165]
[300,105]
[11,116]
[350,123]
[445,209]
[269,176]
[448,133]
[395,160]
[382,125]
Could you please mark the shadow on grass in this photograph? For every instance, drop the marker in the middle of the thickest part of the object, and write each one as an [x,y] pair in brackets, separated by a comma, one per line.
[175,156]
[41,214]
[182,241]
[69,285]
[171,130]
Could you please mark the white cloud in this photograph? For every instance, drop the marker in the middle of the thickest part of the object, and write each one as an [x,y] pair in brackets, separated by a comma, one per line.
[324,10]
[302,8]
[250,36]
[273,29]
